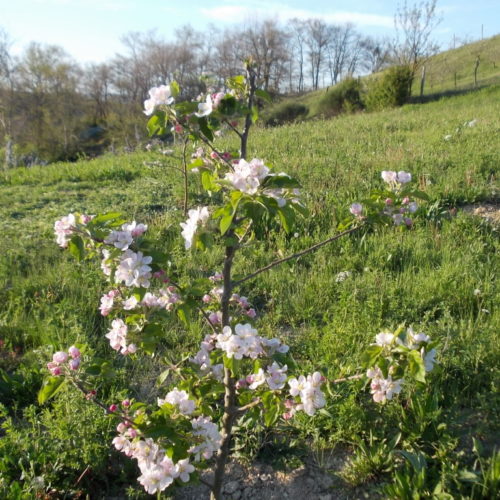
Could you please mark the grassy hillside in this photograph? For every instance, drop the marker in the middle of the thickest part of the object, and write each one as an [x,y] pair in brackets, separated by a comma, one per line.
[454,69]
[439,277]
[447,72]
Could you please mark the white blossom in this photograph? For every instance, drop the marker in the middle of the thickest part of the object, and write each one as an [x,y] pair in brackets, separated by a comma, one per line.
[180,399]
[133,269]
[247,177]
[158,96]
[196,216]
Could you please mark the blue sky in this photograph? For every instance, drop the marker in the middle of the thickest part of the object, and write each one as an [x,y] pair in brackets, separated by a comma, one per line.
[90,30]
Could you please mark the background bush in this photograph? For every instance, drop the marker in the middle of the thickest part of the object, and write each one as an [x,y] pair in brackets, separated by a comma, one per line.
[287,113]
[345,97]
[390,90]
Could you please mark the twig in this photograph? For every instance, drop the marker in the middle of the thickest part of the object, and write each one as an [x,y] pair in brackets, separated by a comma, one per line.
[346,379]
[82,474]
[233,128]
[243,409]
[295,255]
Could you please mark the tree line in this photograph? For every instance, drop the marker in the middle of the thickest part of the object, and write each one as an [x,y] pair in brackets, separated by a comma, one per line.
[52,108]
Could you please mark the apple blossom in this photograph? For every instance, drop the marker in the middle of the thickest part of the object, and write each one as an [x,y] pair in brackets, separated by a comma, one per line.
[180,399]
[247,177]
[196,216]
[133,269]
[158,96]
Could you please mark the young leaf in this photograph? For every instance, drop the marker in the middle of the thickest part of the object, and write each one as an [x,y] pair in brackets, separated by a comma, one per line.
[76,247]
[225,223]
[50,388]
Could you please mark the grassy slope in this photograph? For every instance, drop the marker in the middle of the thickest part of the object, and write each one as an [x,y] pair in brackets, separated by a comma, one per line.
[441,71]
[425,277]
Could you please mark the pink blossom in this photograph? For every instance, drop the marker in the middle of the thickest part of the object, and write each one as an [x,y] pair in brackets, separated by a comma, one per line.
[60,357]
[74,352]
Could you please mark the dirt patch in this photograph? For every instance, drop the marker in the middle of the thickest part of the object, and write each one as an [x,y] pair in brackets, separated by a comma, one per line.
[489,211]
[262,482]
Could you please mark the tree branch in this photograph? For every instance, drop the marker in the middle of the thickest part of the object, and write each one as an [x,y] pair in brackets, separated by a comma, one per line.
[295,255]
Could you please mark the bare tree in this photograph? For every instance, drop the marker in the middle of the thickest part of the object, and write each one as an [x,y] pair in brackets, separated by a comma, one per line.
[414,26]
[298,31]
[376,52]
[318,37]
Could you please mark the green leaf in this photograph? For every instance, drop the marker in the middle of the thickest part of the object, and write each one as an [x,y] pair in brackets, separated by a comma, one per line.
[196,163]
[207,180]
[371,355]
[77,247]
[225,223]
[236,82]
[107,217]
[203,124]
[263,95]
[287,218]
[281,181]
[49,388]
[174,88]
[186,107]
[468,476]
[156,124]
[255,114]
[416,366]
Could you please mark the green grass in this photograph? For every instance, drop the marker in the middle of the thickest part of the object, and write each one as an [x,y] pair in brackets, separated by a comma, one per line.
[425,277]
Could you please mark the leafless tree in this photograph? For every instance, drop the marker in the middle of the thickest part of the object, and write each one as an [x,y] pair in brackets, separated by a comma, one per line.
[318,38]
[414,26]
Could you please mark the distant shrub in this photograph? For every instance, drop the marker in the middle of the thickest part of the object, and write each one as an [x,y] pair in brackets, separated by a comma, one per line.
[345,97]
[391,89]
[286,113]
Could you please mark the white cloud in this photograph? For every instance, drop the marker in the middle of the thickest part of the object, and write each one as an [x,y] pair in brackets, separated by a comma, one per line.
[237,13]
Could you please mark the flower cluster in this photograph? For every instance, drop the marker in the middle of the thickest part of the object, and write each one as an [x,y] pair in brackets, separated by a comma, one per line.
[400,215]
[158,471]
[245,342]
[65,227]
[62,360]
[180,399]
[207,437]
[395,179]
[241,303]
[133,269]
[247,177]
[202,358]
[308,390]
[394,203]
[382,388]
[118,338]
[124,238]
[387,377]
[158,96]
[198,216]
[275,376]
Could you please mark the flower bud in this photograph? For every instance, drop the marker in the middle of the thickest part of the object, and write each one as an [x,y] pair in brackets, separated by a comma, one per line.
[112,408]
[121,428]
[74,364]
[74,352]
[126,403]
[59,357]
